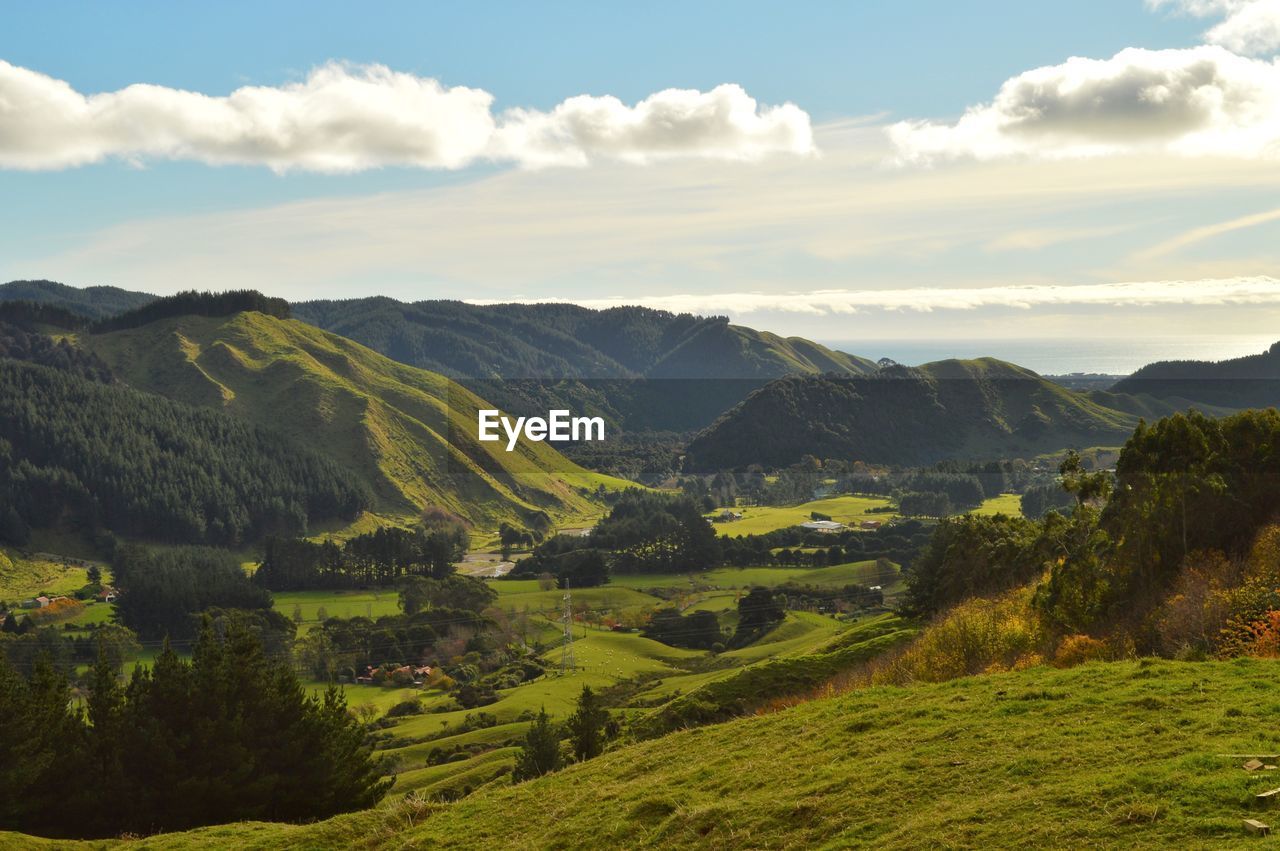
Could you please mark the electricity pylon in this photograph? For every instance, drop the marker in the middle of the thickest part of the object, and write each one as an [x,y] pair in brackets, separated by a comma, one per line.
[566,654]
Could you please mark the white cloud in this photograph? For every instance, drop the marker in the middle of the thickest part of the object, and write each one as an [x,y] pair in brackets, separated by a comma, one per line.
[1249,26]
[346,118]
[1202,101]
[724,123]
[1230,291]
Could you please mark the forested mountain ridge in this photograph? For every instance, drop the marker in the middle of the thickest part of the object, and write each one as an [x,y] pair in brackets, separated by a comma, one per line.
[641,369]
[910,416]
[1247,382]
[406,434]
[89,302]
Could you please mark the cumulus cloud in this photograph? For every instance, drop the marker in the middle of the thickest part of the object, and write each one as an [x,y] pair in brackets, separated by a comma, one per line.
[724,123]
[1226,291]
[1248,26]
[346,118]
[1202,101]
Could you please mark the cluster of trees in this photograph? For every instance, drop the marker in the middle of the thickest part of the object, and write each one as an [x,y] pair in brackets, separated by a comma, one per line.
[163,591]
[588,729]
[644,532]
[382,557]
[192,303]
[96,456]
[571,559]
[448,623]
[654,533]
[969,556]
[1039,500]
[1179,524]
[1187,484]
[226,736]
[698,630]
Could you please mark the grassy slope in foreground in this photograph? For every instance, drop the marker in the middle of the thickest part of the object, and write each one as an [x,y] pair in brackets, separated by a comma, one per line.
[1107,754]
[410,434]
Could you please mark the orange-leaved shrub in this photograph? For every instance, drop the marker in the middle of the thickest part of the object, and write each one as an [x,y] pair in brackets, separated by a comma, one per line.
[1077,649]
[57,610]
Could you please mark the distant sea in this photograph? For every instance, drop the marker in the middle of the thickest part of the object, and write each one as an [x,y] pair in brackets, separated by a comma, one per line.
[1061,357]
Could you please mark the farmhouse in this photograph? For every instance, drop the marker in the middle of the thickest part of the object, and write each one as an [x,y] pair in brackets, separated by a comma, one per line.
[728,516]
[870,524]
[823,526]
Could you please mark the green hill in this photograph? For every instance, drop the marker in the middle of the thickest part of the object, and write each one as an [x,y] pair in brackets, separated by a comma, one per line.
[1127,754]
[408,434]
[903,415]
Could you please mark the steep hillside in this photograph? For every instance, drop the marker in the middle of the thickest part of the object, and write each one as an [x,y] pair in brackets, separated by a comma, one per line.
[89,302]
[409,435]
[902,415]
[1125,754]
[1247,382]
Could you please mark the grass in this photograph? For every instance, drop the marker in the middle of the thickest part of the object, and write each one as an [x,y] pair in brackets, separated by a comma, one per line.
[23,577]
[800,633]
[1105,755]
[756,520]
[337,604]
[1005,503]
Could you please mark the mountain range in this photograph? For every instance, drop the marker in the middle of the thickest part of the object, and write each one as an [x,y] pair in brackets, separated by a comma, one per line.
[338,370]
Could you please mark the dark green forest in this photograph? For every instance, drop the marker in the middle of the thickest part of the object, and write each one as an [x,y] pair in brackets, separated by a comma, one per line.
[104,457]
[226,736]
[192,303]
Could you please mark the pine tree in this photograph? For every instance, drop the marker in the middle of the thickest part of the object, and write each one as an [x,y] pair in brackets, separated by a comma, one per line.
[586,726]
[541,751]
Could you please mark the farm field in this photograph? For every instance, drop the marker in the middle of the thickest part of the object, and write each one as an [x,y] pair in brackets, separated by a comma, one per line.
[1005,503]
[337,604]
[756,520]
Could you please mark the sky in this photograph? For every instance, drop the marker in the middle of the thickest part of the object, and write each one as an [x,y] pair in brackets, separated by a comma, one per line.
[1103,169]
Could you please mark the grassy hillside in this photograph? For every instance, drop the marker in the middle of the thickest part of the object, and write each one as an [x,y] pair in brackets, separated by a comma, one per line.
[911,416]
[410,435]
[1105,755]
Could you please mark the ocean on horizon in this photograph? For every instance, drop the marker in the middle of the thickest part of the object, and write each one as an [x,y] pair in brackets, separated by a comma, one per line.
[1063,356]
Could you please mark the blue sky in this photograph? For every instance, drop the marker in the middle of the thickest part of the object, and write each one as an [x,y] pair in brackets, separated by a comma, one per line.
[762,212]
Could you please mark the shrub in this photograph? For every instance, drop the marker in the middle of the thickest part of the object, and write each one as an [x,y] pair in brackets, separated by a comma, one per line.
[405,707]
[977,636]
[1078,649]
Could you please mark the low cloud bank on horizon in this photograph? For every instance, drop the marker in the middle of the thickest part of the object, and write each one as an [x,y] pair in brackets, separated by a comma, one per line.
[348,118]
[1234,291]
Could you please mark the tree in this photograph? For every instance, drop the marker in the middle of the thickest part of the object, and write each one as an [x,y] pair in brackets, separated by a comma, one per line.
[586,726]
[94,575]
[540,753]
[758,612]
[509,537]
